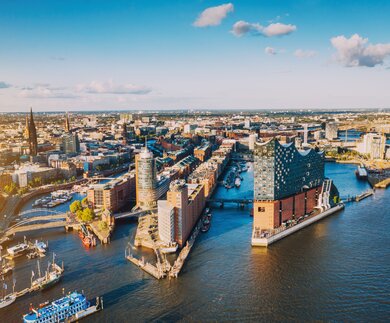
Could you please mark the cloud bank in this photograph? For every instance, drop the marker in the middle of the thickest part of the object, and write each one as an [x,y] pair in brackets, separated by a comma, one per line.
[301,53]
[213,16]
[111,88]
[241,28]
[356,51]
[270,51]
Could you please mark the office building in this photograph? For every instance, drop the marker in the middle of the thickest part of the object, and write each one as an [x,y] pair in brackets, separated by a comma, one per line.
[178,215]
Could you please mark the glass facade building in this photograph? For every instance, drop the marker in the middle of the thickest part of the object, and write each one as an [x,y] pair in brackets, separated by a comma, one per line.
[280,170]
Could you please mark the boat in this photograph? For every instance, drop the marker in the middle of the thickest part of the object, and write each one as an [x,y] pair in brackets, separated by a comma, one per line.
[237,182]
[33,254]
[86,237]
[69,308]
[361,172]
[52,275]
[206,226]
[6,300]
[40,246]
[5,266]
[18,250]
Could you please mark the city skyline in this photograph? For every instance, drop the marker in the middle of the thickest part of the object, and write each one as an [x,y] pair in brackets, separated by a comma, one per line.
[133,55]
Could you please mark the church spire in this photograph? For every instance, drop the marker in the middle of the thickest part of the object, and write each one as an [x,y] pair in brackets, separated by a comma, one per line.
[67,123]
[33,141]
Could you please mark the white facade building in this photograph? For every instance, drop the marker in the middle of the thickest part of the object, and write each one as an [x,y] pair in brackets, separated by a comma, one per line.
[166,221]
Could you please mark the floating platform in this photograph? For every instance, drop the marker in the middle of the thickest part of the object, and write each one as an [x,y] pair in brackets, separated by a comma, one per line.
[266,241]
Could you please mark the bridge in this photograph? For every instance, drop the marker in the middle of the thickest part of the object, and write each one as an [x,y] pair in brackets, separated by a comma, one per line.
[239,202]
[52,219]
[131,214]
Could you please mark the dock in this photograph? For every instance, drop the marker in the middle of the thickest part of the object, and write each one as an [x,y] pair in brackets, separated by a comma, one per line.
[179,263]
[258,241]
[364,195]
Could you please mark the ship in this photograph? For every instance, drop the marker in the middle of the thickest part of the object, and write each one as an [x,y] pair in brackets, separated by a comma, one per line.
[5,266]
[8,299]
[52,276]
[18,250]
[70,308]
[86,237]
[361,172]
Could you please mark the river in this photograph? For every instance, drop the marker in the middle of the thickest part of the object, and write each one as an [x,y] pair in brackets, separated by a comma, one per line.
[336,269]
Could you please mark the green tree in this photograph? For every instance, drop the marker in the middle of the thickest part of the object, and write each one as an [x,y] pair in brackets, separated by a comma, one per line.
[10,188]
[102,225]
[87,215]
[84,201]
[79,214]
[75,206]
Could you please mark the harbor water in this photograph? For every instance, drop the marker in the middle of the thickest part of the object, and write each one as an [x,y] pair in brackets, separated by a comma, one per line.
[336,269]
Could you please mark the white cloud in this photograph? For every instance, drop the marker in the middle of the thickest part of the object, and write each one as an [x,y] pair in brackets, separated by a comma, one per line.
[270,51]
[39,92]
[241,28]
[111,88]
[213,16]
[301,53]
[4,85]
[356,51]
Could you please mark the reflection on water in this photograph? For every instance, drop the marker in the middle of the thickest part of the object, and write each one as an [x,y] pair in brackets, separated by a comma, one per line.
[336,269]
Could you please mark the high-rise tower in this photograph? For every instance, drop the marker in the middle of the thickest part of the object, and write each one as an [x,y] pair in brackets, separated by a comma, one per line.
[146,179]
[33,141]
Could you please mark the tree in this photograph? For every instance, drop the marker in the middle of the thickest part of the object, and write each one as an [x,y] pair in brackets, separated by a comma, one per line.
[10,188]
[87,215]
[75,206]
[102,225]
[84,201]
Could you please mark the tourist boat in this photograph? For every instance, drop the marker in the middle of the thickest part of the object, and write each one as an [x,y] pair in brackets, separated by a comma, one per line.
[6,300]
[237,182]
[18,250]
[69,308]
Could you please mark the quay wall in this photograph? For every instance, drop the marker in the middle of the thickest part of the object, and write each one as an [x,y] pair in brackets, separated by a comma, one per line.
[264,242]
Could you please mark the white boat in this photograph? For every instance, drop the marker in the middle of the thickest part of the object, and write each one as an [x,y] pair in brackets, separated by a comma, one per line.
[7,300]
[237,182]
[18,250]
[40,246]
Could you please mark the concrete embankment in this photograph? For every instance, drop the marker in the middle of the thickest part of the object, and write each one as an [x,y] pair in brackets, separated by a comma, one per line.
[266,241]
[383,184]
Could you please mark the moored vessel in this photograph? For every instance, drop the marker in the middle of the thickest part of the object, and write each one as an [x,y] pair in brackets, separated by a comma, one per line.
[18,250]
[69,308]
[8,299]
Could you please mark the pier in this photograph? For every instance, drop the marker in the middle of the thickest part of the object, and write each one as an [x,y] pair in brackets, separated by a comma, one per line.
[259,240]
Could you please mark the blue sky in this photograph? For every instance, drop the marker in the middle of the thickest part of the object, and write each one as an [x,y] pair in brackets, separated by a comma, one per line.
[266,54]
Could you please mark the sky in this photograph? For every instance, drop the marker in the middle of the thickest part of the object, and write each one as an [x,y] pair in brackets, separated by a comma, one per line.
[194,54]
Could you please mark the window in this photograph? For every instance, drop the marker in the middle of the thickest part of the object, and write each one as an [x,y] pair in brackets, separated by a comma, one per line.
[261,209]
